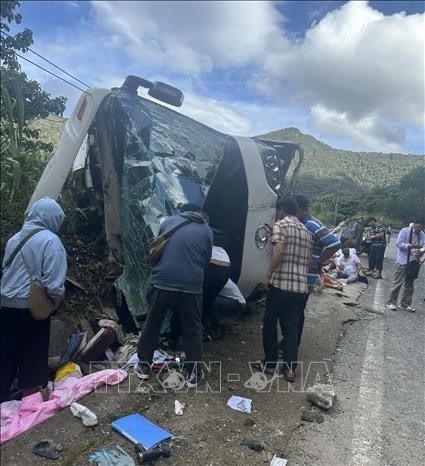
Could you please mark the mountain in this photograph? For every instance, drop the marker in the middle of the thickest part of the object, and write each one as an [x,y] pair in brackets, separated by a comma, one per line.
[364,169]
[322,165]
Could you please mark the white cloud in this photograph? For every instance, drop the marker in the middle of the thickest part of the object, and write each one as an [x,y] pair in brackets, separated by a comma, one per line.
[357,76]
[193,37]
[367,133]
[358,67]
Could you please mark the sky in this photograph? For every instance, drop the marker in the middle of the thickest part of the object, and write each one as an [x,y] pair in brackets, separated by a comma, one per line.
[349,73]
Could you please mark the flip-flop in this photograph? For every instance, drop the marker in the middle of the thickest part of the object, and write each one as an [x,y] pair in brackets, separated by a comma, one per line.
[46,449]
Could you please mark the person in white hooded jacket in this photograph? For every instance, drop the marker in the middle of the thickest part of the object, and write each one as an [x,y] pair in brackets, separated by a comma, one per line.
[42,259]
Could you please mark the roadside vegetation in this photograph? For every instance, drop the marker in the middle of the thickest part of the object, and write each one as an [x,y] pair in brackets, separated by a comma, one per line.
[23,153]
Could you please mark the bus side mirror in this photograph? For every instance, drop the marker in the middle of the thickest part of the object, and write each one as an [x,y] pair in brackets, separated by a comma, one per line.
[166,93]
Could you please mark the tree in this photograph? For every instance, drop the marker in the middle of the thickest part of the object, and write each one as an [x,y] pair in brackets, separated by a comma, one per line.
[38,103]
[23,155]
[411,196]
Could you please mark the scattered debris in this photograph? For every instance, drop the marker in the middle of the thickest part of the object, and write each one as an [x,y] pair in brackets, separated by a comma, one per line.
[47,449]
[70,369]
[111,456]
[104,323]
[140,430]
[98,344]
[311,416]
[179,407]
[132,360]
[240,404]
[159,357]
[308,416]
[75,283]
[152,455]
[249,422]
[257,381]
[76,344]
[321,395]
[82,412]
[255,445]
[174,381]
[109,354]
[320,418]
[276,461]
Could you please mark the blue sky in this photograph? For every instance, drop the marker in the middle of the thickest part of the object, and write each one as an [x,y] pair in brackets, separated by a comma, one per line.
[349,73]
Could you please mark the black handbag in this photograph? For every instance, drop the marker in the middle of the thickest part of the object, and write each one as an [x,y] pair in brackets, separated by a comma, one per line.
[412,267]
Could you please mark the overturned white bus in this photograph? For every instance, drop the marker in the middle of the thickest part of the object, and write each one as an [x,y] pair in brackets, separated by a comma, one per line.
[145,160]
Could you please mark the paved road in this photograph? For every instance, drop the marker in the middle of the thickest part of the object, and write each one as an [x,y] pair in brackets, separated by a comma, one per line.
[380,382]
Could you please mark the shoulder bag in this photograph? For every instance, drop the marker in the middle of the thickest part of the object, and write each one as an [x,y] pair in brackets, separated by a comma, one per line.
[158,244]
[412,267]
[40,304]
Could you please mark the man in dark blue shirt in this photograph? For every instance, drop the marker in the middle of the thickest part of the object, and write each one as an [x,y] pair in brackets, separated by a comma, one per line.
[177,280]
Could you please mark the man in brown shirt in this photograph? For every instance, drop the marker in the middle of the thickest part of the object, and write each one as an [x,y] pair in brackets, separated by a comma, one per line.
[287,281]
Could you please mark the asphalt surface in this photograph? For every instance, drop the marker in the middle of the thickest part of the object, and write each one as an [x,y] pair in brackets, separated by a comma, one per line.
[380,383]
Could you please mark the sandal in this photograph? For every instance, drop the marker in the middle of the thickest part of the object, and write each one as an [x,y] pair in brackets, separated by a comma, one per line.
[289,375]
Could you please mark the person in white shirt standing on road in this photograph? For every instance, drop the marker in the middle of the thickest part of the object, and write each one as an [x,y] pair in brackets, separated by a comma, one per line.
[410,241]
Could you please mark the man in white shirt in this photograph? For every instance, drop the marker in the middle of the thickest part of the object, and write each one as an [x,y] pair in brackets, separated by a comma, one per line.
[348,266]
[410,249]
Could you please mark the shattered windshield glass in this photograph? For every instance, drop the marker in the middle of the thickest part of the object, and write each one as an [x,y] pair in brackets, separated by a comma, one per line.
[168,160]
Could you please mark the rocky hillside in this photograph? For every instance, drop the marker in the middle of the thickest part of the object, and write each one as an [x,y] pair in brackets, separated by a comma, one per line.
[366,169]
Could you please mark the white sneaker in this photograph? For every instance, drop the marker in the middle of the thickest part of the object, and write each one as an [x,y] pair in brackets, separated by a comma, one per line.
[391,307]
[408,308]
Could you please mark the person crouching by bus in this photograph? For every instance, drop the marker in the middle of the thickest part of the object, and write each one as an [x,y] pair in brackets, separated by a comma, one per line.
[216,276]
[34,254]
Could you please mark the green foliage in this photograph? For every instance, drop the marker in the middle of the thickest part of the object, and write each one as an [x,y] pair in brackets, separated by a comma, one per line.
[22,159]
[388,186]
[364,169]
[23,154]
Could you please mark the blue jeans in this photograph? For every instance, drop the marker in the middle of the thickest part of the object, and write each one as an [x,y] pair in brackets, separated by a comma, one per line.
[351,277]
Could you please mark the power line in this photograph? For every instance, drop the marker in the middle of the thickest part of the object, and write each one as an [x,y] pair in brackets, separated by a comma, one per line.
[50,62]
[50,72]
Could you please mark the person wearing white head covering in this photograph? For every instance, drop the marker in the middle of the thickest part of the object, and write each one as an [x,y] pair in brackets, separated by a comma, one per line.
[34,254]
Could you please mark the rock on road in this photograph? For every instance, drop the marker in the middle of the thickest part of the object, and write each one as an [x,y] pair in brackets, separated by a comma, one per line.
[380,382]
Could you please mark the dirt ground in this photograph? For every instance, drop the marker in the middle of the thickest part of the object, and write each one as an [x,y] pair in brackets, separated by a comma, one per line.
[209,432]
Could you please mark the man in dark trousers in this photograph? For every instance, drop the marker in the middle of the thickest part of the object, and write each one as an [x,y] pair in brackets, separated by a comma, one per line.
[358,233]
[176,283]
[286,278]
[410,247]
[377,235]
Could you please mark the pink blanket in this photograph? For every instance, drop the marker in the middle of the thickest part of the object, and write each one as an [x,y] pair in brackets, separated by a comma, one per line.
[19,416]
